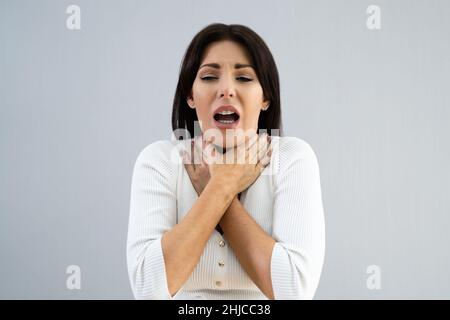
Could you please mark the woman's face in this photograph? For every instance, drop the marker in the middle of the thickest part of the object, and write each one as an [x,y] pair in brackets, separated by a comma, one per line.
[226,80]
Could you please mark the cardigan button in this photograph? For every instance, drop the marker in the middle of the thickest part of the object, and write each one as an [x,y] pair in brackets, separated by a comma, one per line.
[218,283]
[221,263]
[222,243]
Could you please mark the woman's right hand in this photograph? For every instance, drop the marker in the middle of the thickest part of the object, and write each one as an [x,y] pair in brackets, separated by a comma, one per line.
[239,167]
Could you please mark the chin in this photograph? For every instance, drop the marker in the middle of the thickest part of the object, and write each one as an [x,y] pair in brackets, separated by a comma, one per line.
[230,141]
[227,138]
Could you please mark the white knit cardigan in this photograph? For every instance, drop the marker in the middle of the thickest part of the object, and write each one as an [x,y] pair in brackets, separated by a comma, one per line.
[285,201]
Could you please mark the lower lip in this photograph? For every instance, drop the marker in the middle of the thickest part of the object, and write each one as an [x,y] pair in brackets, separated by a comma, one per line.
[221,125]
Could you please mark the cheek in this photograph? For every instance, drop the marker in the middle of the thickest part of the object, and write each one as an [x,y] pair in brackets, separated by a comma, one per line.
[202,113]
[254,108]
[201,97]
[251,120]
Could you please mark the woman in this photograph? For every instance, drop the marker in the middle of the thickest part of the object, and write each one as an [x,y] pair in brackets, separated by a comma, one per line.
[208,228]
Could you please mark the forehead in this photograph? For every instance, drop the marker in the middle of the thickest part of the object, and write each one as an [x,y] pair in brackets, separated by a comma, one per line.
[226,52]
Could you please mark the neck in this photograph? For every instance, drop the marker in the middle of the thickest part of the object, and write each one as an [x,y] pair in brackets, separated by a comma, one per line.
[221,149]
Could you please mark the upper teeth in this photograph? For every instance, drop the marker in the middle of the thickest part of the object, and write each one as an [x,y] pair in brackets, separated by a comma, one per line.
[224,113]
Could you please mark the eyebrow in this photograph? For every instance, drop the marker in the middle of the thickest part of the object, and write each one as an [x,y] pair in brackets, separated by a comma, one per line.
[236,66]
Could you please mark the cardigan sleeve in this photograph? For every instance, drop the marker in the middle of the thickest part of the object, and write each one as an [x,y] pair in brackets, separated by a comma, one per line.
[298,223]
[152,213]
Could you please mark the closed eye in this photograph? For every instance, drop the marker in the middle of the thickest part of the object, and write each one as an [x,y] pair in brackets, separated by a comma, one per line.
[208,78]
[243,79]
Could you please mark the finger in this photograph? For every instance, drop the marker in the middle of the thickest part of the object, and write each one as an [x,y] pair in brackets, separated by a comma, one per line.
[258,150]
[239,154]
[252,149]
[262,146]
[241,141]
[187,162]
[253,140]
[265,153]
[260,167]
[265,160]
[253,154]
[209,153]
[207,150]
[185,155]
[242,147]
[197,147]
[191,153]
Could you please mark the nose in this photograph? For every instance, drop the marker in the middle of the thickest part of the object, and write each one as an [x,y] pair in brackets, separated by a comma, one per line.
[226,89]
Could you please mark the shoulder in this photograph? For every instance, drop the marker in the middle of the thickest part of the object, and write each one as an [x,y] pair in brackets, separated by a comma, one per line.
[161,156]
[156,152]
[293,148]
[292,155]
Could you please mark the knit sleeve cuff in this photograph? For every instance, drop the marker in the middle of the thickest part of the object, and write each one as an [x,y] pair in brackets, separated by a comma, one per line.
[286,278]
[151,282]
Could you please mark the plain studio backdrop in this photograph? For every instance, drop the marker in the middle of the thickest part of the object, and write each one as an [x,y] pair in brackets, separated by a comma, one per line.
[77,107]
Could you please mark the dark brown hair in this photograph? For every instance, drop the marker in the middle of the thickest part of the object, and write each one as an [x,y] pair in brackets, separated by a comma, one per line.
[183,117]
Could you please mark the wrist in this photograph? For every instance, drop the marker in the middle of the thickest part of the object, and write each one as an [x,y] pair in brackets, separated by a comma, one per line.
[224,186]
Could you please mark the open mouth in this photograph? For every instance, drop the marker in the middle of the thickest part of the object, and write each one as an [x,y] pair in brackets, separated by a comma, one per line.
[226,117]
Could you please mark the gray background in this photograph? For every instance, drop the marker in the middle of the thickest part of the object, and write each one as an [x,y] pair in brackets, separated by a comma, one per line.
[76,108]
